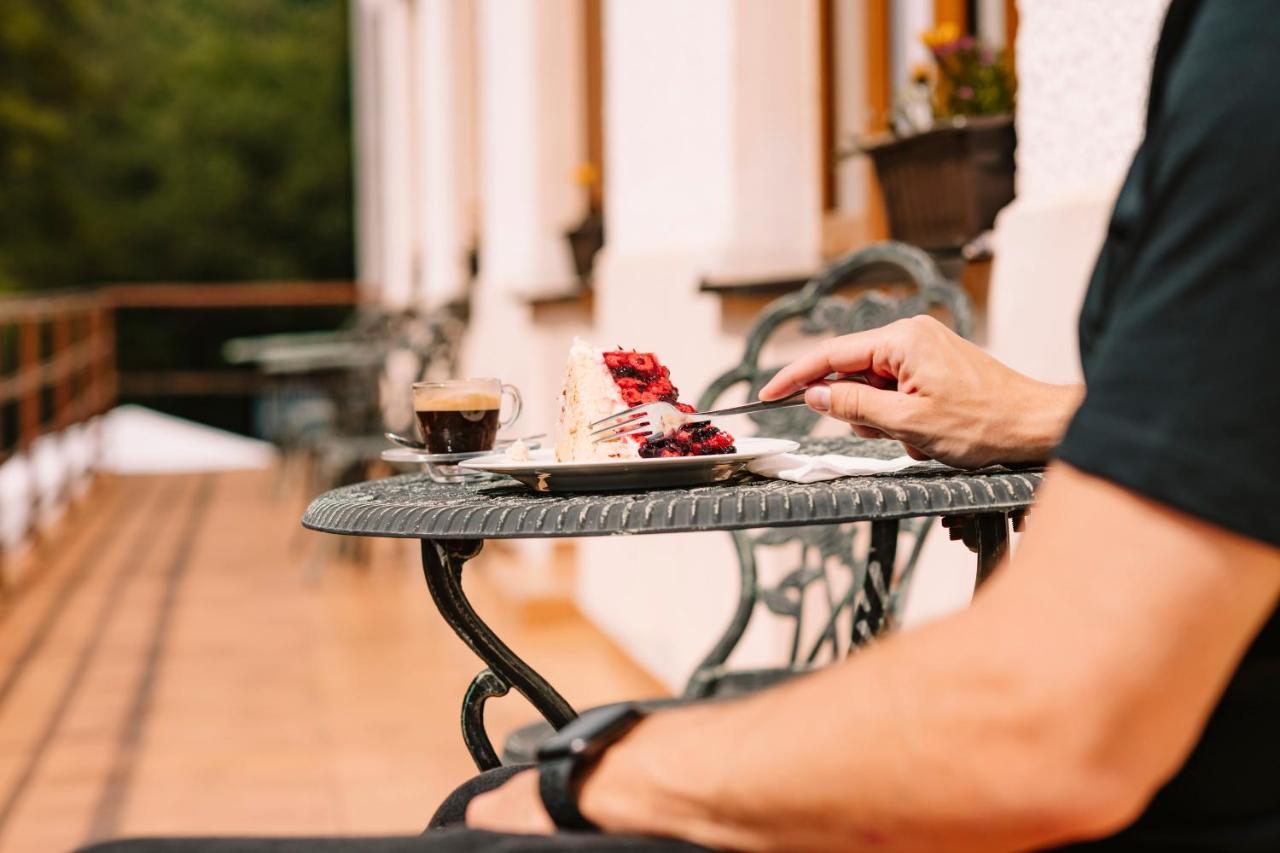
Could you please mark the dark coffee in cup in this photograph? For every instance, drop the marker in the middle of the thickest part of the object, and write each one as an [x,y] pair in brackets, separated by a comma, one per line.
[461,415]
[459,423]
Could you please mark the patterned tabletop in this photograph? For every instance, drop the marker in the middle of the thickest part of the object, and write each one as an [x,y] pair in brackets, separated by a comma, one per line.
[415,507]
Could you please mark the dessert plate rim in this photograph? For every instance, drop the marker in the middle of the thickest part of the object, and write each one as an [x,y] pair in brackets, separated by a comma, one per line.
[542,460]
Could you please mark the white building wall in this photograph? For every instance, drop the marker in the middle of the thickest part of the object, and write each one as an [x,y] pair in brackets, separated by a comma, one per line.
[1083,72]
[1082,82]
[393,239]
[711,126]
[712,146]
[531,139]
[445,141]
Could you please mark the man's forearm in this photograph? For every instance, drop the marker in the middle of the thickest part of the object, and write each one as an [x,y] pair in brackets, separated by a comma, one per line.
[1014,724]
[908,746]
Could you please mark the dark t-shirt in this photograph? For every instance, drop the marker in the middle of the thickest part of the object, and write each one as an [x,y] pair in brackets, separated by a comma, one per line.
[1180,339]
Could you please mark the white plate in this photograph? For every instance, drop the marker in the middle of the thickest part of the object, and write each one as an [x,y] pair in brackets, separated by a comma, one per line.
[544,474]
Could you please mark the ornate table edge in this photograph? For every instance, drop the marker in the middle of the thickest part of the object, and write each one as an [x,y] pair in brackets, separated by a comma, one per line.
[350,511]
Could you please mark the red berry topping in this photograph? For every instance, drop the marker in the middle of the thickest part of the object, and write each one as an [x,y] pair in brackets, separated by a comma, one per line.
[643,362]
[662,386]
[632,389]
[641,379]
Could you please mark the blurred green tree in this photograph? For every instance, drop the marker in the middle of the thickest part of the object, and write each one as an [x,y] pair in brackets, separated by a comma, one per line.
[185,139]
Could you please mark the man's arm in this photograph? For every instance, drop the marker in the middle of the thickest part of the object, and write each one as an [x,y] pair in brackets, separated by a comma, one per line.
[1051,710]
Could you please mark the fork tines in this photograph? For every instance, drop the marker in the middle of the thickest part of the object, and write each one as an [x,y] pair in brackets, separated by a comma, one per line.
[619,417]
[640,429]
[632,422]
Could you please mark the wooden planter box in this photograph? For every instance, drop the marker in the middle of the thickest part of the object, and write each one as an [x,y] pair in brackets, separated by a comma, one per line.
[944,187]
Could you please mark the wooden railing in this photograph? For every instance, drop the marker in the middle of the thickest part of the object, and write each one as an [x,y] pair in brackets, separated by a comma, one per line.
[58,364]
[135,383]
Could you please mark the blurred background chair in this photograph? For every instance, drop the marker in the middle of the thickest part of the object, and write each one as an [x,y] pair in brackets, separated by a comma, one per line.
[344,389]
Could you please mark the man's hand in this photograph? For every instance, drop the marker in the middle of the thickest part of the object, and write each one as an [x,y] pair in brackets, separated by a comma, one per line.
[513,807]
[940,395]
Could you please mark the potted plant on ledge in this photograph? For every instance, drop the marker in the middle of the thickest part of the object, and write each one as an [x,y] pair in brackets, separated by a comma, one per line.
[947,167]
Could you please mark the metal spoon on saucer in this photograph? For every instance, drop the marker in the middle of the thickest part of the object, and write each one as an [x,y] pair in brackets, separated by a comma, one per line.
[405,441]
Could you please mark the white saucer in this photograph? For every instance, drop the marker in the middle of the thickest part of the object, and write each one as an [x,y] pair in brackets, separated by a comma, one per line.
[409,454]
[543,473]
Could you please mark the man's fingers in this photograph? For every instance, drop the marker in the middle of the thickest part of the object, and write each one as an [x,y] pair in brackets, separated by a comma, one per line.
[866,431]
[861,404]
[847,354]
[916,453]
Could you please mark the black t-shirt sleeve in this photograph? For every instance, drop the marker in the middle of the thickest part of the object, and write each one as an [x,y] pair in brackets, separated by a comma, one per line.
[1183,378]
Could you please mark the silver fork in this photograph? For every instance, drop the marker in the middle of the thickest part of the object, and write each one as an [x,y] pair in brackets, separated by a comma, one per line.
[652,420]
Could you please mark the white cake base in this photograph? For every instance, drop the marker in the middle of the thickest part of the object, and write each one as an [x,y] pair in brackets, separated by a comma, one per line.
[589,394]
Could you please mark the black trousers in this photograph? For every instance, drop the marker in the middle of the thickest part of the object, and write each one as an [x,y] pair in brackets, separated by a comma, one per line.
[445,834]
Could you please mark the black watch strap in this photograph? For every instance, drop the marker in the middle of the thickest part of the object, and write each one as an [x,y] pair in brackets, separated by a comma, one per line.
[555,784]
[562,757]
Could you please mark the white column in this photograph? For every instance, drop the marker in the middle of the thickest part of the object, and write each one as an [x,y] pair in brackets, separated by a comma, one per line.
[1083,72]
[991,22]
[532,137]
[394,220]
[712,133]
[908,20]
[852,113]
[712,145]
[444,125]
[532,129]
[364,119]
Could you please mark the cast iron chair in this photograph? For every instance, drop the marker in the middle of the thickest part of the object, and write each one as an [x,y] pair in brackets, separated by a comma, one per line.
[865,603]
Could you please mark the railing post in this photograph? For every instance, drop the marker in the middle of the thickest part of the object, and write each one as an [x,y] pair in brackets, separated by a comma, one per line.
[29,400]
[63,386]
[29,420]
[110,367]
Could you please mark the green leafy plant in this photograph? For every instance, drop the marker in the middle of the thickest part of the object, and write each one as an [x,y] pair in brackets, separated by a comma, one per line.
[970,78]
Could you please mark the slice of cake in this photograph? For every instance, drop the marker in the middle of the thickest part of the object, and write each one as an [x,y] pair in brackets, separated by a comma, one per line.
[598,384]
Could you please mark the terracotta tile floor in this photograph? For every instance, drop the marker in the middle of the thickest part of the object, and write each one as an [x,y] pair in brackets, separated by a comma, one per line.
[169,666]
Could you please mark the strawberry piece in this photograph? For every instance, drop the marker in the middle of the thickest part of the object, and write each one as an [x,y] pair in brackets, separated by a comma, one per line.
[643,362]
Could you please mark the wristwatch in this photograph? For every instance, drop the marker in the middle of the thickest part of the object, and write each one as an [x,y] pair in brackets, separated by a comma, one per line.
[575,746]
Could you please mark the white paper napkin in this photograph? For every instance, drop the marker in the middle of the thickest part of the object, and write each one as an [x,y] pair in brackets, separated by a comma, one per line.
[812,469]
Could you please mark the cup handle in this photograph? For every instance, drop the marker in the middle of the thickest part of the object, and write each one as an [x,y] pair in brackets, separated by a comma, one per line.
[516,405]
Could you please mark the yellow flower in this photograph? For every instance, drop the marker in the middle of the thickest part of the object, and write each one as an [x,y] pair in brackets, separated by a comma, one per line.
[586,174]
[942,34]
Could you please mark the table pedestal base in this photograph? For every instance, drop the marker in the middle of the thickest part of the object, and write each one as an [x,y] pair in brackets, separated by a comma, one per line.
[442,562]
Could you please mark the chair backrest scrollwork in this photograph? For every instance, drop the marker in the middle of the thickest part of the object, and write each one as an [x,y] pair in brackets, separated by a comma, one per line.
[859,600]
[919,288]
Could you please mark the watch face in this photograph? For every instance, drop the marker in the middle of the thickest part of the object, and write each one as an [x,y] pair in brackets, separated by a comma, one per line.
[592,731]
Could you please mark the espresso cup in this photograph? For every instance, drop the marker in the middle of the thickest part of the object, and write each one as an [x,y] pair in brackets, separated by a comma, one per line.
[462,415]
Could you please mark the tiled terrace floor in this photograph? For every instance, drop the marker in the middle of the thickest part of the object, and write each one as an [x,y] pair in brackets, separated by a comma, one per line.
[169,667]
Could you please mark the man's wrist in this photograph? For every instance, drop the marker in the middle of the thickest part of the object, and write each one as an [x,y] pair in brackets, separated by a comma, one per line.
[604,786]
[652,781]
[1040,418]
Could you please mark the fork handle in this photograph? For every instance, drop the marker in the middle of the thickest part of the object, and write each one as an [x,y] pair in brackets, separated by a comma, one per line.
[796,399]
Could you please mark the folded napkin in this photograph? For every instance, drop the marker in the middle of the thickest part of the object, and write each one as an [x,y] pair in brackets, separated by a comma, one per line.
[812,469]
